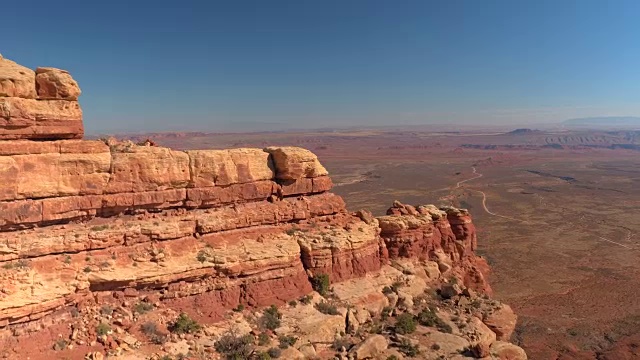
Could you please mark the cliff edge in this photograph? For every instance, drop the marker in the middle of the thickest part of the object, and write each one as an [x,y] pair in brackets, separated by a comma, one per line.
[107,248]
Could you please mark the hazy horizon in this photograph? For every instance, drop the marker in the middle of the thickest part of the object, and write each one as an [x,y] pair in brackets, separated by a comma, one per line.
[253,65]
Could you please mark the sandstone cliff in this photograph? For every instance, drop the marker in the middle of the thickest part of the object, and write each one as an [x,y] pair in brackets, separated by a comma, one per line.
[39,104]
[88,223]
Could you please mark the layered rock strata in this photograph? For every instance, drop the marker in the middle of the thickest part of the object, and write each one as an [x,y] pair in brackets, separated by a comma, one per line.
[84,222]
[446,235]
[87,216]
[83,216]
[39,104]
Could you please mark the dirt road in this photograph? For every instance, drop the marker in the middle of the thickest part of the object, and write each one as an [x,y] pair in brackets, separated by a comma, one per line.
[478,175]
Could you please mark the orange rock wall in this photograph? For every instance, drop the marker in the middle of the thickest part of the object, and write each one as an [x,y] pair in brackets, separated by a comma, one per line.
[39,104]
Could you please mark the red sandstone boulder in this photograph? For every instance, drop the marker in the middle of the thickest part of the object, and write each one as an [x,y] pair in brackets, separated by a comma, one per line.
[293,163]
[502,322]
[52,83]
[506,351]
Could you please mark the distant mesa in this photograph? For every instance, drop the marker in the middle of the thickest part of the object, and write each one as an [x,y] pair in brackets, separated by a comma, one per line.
[524,131]
[604,121]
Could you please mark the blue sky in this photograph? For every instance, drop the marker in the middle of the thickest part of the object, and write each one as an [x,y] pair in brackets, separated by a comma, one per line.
[234,65]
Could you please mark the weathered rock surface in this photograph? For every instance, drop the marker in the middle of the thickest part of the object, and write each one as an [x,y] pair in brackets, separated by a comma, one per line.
[16,80]
[371,347]
[502,321]
[96,226]
[445,235]
[22,118]
[226,167]
[38,105]
[295,163]
[52,83]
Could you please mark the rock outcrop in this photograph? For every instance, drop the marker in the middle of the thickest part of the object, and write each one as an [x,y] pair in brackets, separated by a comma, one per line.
[38,105]
[89,222]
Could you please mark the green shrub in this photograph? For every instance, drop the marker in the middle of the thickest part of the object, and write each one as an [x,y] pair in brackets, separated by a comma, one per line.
[306,299]
[142,307]
[405,324]
[274,352]
[106,310]
[286,341]
[263,339]
[239,308]
[234,347]
[321,284]
[103,329]
[327,308]
[60,344]
[341,342]
[270,318]
[184,325]
[428,317]
[202,256]
[149,328]
[100,227]
[386,312]
[293,303]
[263,355]
[406,347]
[387,290]
[158,339]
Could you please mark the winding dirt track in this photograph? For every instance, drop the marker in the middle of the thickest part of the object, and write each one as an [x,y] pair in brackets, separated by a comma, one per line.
[478,175]
[484,206]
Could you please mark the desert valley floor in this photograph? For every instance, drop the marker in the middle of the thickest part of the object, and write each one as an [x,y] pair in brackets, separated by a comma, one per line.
[556,213]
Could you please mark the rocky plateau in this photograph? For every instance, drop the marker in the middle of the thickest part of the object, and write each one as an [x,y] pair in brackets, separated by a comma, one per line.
[114,249]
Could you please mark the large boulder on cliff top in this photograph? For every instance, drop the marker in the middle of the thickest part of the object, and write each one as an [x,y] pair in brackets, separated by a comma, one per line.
[501,321]
[16,80]
[52,83]
[294,163]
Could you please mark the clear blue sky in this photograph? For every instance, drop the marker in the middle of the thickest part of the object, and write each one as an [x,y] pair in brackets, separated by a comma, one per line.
[226,65]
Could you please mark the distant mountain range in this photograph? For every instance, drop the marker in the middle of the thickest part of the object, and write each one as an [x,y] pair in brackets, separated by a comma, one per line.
[604,121]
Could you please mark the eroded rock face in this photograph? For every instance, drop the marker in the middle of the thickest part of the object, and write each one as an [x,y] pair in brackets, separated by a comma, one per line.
[295,163]
[52,83]
[502,321]
[84,223]
[151,218]
[446,236]
[38,105]
[225,167]
[16,80]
